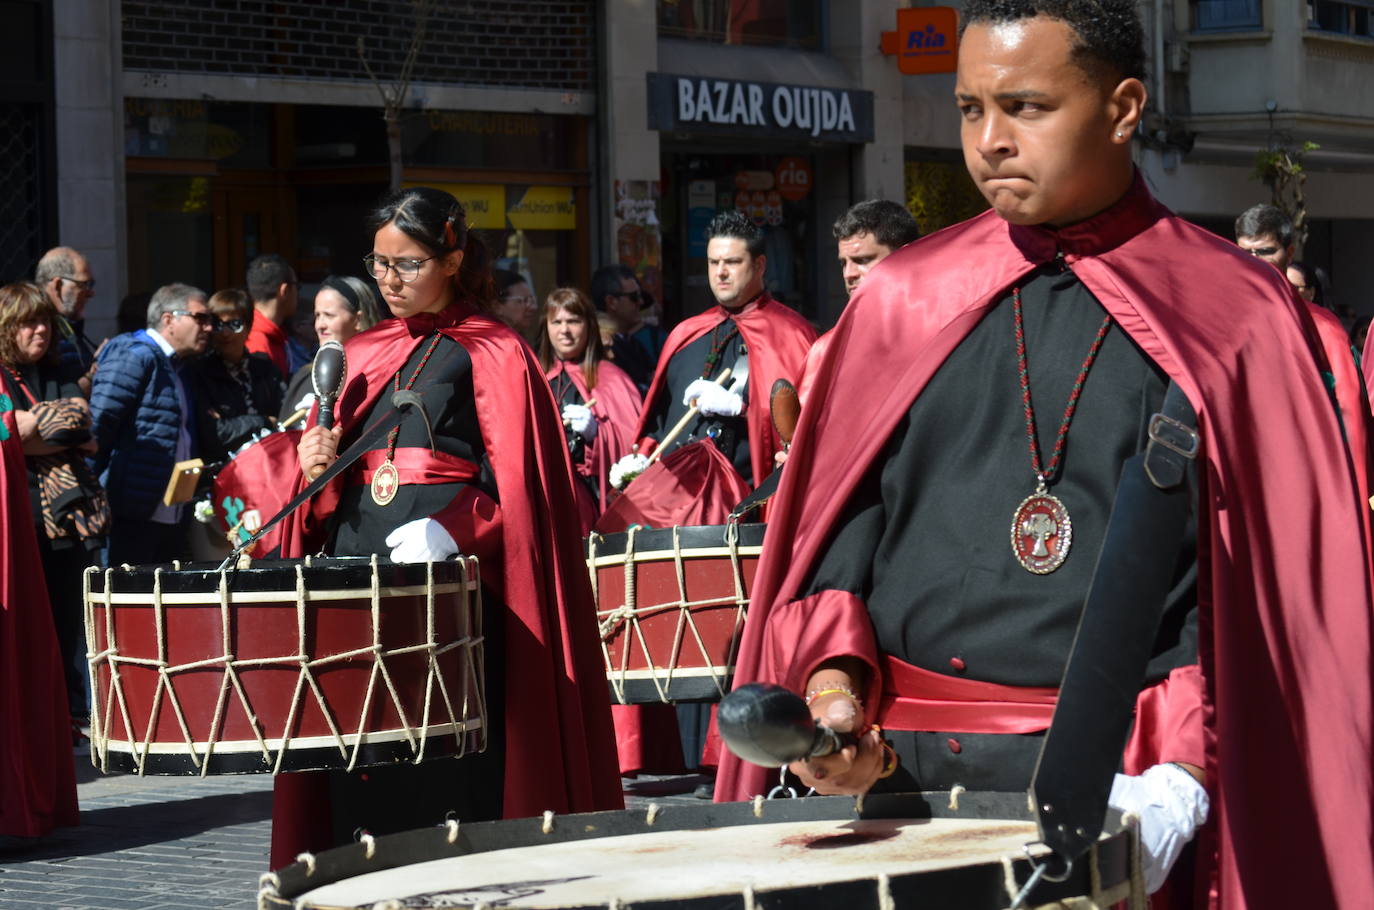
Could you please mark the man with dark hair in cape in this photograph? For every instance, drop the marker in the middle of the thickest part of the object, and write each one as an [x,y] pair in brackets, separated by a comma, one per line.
[888,590]
[747,323]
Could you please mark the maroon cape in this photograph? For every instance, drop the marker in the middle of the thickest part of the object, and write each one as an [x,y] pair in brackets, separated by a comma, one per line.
[616,411]
[1284,560]
[37,778]
[1346,384]
[778,339]
[560,750]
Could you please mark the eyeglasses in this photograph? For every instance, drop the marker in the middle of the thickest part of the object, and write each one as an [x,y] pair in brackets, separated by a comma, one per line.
[636,296]
[1262,251]
[205,320]
[230,325]
[87,285]
[406,269]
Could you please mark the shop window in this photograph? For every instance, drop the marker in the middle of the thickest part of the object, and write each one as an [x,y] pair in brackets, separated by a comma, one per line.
[1223,15]
[776,23]
[941,193]
[171,231]
[232,134]
[1350,17]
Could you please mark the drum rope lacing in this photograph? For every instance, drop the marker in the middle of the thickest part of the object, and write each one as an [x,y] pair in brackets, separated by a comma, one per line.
[468,640]
[631,613]
[1131,891]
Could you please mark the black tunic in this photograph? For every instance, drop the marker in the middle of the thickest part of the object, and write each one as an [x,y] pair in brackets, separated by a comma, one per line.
[731,434]
[926,541]
[401,797]
[445,386]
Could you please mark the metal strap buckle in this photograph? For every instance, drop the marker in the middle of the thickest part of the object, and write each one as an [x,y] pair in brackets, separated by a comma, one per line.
[1174,436]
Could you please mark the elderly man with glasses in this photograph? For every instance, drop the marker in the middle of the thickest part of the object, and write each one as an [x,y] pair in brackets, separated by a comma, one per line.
[144,421]
[65,276]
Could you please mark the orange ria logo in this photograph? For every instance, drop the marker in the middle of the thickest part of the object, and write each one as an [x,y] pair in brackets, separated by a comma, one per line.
[925,41]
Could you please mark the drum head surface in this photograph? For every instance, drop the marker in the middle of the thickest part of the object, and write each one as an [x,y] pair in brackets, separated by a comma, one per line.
[683,865]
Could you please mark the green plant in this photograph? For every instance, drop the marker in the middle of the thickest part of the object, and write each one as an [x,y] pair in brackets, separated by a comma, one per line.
[1281,169]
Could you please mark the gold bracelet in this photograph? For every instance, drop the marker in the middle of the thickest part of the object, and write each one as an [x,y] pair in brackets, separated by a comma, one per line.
[890,761]
[815,694]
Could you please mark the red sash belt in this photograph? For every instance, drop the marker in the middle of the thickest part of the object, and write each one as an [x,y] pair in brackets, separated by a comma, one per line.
[949,703]
[416,465]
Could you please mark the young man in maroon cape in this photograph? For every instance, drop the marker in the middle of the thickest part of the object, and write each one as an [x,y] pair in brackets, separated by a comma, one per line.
[889,590]
[485,472]
[747,327]
[38,786]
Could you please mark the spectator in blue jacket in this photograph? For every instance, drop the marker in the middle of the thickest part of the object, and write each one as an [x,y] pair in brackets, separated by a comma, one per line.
[144,421]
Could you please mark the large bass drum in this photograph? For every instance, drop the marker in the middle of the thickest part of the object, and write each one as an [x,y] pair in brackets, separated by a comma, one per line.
[285,665]
[933,851]
[671,605]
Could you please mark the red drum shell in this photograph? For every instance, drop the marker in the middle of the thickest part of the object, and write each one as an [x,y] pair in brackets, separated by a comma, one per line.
[213,682]
[671,605]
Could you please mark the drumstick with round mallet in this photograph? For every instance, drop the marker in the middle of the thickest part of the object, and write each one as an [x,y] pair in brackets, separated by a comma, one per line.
[327,375]
[785,408]
[662,448]
[771,726]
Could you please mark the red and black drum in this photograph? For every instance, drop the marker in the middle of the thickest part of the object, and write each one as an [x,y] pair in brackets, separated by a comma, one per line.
[284,665]
[935,851]
[671,605]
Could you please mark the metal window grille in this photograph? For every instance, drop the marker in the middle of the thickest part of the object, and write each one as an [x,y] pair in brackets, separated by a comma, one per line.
[1349,17]
[21,183]
[546,44]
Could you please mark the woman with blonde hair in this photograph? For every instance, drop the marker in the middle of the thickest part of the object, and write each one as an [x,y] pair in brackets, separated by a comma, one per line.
[575,363]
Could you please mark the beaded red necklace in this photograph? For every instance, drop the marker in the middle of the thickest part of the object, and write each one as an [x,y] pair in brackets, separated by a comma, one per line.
[1041,530]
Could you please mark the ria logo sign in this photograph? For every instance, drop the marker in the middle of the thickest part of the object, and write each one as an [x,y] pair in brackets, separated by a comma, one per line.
[925,40]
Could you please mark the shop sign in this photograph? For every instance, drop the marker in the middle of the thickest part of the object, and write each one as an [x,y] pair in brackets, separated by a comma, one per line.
[734,107]
[793,178]
[925,40]
[544,208]
[485,203]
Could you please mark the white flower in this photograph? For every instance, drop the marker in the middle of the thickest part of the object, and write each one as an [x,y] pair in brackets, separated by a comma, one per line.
[204,511]
[627,469]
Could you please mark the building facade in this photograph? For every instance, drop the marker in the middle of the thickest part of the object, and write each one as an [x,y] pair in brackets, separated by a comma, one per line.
[189,136]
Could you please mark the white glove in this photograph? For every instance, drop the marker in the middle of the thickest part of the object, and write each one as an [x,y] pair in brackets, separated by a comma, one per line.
[306,402]
[713,400]
[1171,805]
[421,540]
[580,419]
[627,469]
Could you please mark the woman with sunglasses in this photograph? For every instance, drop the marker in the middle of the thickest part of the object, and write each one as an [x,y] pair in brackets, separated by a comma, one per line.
[482,471]
[238,391]
[574,361]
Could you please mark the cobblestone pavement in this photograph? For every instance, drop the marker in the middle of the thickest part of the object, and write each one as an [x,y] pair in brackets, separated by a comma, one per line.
[175,843]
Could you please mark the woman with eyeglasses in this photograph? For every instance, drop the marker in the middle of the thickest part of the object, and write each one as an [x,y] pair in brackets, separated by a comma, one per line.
[70,512]
[344,306]
[516,305]
[483,471]
[240,392]
[574,361]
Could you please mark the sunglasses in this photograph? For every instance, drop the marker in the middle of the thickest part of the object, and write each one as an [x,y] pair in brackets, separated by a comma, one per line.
[231,325]
[206,320]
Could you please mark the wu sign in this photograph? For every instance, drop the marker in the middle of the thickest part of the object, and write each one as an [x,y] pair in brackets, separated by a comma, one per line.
[925,41]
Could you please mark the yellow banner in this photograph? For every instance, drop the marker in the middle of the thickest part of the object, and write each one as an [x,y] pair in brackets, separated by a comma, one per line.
[485,203]
[545,208]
